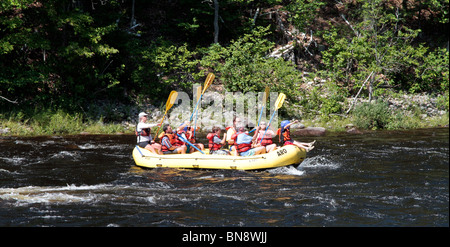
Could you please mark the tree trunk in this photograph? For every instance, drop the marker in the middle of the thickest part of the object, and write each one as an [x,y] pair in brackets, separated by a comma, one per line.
[256,16]
[216,21]
[133,21]
[354,100]
[371,87]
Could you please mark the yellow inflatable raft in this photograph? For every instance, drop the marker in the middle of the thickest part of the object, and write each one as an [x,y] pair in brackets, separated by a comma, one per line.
[282,156]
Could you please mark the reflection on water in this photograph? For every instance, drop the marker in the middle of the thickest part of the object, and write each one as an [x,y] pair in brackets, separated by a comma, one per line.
[377,179]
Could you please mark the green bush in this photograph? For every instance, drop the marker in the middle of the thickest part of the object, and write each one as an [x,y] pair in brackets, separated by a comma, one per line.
[49,123]
[331,103]
[443,101]
[372,115]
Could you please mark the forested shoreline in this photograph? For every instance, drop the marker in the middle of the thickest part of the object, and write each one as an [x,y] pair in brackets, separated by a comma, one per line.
[89,61]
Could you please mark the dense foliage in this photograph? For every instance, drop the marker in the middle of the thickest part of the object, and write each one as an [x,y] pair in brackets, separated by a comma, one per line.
[66,54]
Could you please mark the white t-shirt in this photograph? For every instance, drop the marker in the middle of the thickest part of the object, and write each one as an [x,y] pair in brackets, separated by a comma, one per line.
[141,126]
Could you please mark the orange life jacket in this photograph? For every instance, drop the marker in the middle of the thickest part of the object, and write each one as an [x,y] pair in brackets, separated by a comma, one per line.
[213,146]
[173,141]
[284,135]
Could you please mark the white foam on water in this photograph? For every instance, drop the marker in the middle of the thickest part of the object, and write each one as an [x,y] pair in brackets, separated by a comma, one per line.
[116,146]
[151,200]
[22,142]
[4,171]
[46,143]
[66,154]
[52,195]
[320,161]
[45,198]
[88,146]
[219,176]
[287,170]
[14,160]
[234,197]
[160,185]
[101,146]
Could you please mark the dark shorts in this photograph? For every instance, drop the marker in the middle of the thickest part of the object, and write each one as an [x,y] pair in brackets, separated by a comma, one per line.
[143,144]
[171,151]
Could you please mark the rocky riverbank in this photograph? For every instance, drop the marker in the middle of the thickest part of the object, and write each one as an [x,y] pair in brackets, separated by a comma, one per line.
[423,103]
[423,106]
[107,117]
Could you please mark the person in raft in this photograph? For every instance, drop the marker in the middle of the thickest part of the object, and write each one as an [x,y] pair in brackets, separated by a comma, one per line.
[215,144]
[144,137]
[244,142]
[170,143]
[285,136]
[231,132]
[187,132]
[267,140]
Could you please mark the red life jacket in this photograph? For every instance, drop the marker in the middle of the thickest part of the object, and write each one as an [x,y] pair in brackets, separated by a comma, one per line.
[190,133]
[243,147]
[179,142]
[213,146]
[187,134]
[267,140]
[234,137]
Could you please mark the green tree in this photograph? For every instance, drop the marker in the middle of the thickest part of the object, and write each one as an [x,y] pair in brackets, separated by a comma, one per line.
[244,66]
[303,12]
[432,72]
[53,52]
[379,41]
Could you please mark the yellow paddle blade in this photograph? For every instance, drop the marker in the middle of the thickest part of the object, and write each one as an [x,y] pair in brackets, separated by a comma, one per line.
[160,136]
[279,101]
[208,81]
[199,92]
[171,100]
[159,127]
[266,94]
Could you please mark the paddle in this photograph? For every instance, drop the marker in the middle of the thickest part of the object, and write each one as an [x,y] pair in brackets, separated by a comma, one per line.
[199,94]
[208,82]
[190,144]
[278,105]
[265,96]
[170,101]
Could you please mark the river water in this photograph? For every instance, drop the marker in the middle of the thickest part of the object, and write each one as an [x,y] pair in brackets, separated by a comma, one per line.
[382,178]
